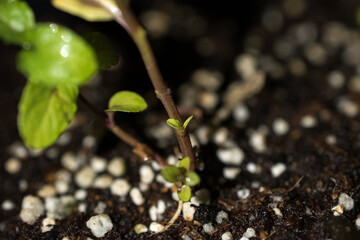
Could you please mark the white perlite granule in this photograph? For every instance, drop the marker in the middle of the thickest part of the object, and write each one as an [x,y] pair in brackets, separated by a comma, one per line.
[103,181]
[47,224]
[234,155]
[120,187]
[13,165]
[221,135]
[7,205]
[221,216]
[208,79]
[18,150]
[258,141]
[146,174]
[357,223]
[278,212]
[82,207]
[52,204]
[89,141]
[99,225]
[231,172]
[156,227]
[136,196]
[346,201]
[308,121]
[117,167]
[31,209]
[156,212]
[245,65]
[202,133]
[226,236]
[336,79]
[98,164]
[278,169]
[347,107]
[46,191]
[241,113]
[338,210]
[207,100]
[80,194]
[140,228]
[188,211]
[153,213]
[280,126]
[243,193]
[100,208]
[61,187]
[250,232]
[70,162]
[331,139]
[85,177]
[186,237]
[161,206]
[253,168]
[208,228]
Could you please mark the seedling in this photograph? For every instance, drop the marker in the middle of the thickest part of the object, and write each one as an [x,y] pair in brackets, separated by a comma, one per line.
[56,62]
[182,177]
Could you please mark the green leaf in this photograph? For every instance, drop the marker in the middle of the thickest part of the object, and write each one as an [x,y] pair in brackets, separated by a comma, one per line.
[57,56]
[171,173]
[126,101]
[16,17]
[185,163]
[192,178]
[174,123]
[44,113]
[105,52]
[185,193]
[187,122]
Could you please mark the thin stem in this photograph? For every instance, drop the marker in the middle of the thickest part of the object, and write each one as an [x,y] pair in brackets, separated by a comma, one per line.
[119,132]
[138,34]
[99,114]
[174,218]
[140,149]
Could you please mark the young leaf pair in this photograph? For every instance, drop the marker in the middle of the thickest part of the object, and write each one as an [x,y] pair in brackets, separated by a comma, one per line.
[182,177]
[174,123]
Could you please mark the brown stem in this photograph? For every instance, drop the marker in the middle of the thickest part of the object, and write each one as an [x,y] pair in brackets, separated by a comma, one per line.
[138,34]
[140,149]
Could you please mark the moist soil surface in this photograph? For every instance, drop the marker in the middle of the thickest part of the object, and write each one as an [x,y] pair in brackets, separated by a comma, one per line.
[294,145]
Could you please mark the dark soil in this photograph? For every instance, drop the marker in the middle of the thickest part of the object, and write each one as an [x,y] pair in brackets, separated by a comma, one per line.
[317,171]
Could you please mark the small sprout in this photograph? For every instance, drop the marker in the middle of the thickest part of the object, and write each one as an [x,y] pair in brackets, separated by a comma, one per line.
[126,101]
[174,123]
[187,121]
[182,177]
